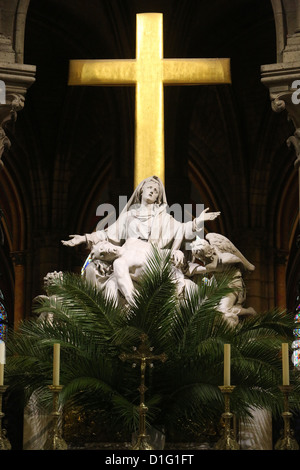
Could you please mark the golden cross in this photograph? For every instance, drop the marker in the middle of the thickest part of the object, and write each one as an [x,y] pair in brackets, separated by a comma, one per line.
[149,72]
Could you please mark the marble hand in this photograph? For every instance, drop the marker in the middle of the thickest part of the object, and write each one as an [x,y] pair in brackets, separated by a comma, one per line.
[178,258]
[75,240]
[205,215]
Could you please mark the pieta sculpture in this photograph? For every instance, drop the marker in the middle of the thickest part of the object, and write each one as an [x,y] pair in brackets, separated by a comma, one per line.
[119,253]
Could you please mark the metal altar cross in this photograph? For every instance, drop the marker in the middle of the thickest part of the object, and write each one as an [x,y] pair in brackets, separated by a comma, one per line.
[149,72]
[143,354]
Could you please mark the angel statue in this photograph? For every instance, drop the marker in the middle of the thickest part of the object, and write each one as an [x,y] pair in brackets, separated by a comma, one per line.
[218,254]
[116,265]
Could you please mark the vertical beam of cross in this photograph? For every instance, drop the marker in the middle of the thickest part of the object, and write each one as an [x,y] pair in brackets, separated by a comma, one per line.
[149,72]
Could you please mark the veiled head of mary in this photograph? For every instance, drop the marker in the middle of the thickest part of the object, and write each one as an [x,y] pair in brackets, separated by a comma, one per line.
[145,184]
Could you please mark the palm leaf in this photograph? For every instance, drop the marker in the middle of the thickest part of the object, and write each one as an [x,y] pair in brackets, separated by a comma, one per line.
[93,331]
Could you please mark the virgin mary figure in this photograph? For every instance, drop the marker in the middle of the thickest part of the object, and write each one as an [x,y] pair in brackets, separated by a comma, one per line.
[143,222]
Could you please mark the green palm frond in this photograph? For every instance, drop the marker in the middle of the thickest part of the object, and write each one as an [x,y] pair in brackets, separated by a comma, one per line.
[79,300]
[93,331]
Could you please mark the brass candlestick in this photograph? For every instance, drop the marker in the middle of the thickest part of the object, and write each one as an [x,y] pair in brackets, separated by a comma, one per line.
[227,441]
[4,442]
[287,440]
[55,440]
[143,354]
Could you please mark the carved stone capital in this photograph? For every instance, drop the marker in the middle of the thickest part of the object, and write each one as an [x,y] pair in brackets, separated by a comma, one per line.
[283,102]
[283,81]
[14,104]
[294,141]
[277,103]
[17,78]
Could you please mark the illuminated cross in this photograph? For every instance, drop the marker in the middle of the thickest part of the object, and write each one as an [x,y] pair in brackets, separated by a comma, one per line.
[149,72]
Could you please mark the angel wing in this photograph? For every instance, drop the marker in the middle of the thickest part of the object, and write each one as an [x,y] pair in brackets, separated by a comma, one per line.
[224,245]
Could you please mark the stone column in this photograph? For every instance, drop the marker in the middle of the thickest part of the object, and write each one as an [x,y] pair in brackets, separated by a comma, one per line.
[283,78]
[280,282]
[15,76]
[15,79]
[18,258]
[283,81]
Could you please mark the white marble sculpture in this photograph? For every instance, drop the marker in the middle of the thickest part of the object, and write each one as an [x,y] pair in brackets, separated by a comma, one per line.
[119,252]
[48,279]
[218,254]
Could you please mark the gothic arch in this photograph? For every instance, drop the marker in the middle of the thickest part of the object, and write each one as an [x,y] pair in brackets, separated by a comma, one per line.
[13,250]
[287,240]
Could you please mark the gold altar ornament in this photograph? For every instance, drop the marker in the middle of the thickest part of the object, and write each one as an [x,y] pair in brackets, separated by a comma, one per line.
[4,442]
[144,355]
[55,440]
[149,72]
[227,440]
[287,440]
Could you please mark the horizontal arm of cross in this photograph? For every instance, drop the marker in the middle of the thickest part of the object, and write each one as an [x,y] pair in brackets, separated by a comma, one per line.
[104,72]
[142,357]
[124,72]
[196,71]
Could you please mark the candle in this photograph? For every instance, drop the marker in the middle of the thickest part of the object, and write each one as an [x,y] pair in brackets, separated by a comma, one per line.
[2,361]
[285,364]
[56,363]
[1,374]
[2,352]
[226,364]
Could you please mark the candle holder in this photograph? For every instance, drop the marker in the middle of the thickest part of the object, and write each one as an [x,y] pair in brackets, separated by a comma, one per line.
[227,441]
[55,440]
[4,442]
[144,356]
[287,440]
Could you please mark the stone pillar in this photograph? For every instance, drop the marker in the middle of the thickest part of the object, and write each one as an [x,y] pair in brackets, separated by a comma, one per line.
[15,79]
[15,76]
[18,258]
[281,78]
[283,81]
[280,282]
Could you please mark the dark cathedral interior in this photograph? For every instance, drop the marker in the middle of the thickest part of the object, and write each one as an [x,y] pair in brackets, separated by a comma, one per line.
[72,147]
